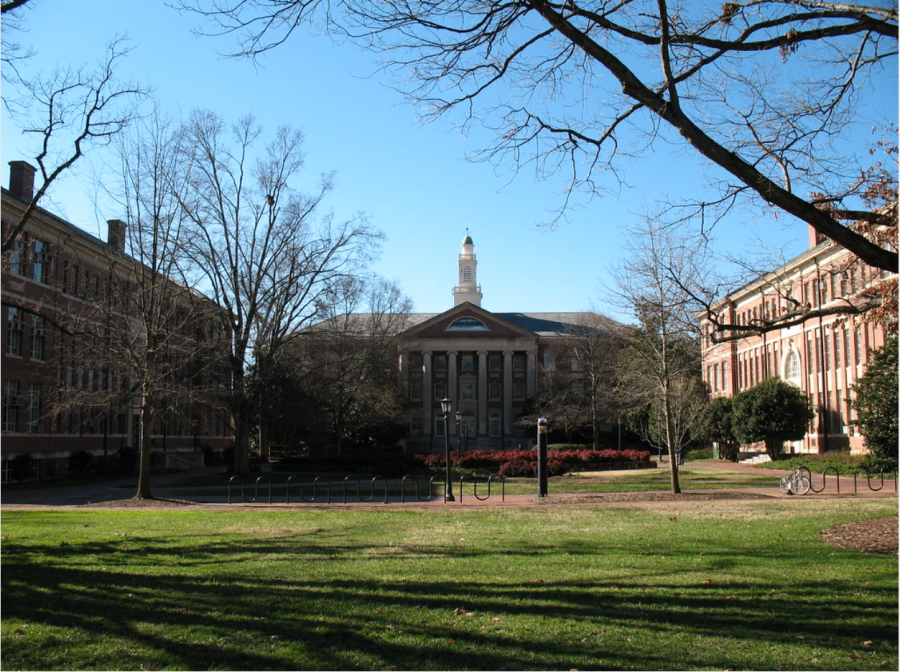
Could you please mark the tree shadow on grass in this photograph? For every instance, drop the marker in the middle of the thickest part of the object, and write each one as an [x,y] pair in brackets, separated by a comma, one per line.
[238,620]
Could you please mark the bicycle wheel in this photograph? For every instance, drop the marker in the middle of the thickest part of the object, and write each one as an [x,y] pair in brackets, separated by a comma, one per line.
[801,485]
[785,485]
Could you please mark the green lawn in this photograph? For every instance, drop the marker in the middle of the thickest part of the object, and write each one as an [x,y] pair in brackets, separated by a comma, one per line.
[693,585]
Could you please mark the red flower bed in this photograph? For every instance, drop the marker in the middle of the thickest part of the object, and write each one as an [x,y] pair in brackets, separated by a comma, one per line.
[524,462]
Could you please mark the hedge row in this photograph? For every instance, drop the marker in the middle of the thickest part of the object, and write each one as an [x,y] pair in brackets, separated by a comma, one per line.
[524,462]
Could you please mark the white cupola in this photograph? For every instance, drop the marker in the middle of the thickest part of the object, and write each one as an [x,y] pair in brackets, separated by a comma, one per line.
[468,289]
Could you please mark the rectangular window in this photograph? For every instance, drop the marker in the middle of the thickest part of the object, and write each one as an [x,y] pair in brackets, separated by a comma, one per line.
[74,279]
[549,361]
[837,349]
[16,258]
[415,390]
[440,391]
[440,427]
[39,261]
[859,346]
[440,362]
[494,362]
[846,346]
[467,390]
[468,362]
[14,328]
[826,351]
[518,362]
[724,377]
[495,425]
[577,364]
[518,390]
[38,335]
[493,392]
[578,389]
[10,405]
[34,409]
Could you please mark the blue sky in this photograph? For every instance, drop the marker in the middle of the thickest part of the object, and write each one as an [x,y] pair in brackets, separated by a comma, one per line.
[411,180]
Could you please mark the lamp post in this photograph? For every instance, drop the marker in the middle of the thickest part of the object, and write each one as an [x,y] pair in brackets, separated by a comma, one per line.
[448,485]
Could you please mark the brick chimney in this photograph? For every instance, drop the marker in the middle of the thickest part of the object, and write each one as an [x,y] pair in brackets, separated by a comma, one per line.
[21,179]
[116,235]
[814,236]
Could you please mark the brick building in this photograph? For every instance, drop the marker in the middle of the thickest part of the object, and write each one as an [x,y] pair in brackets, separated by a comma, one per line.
[824,356]
[55,272]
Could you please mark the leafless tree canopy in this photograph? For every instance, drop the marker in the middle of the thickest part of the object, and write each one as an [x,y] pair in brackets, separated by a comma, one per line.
[268,251]
[762,90]
[67,111]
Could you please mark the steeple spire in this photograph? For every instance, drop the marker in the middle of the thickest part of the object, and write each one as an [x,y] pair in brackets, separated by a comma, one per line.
[468,288]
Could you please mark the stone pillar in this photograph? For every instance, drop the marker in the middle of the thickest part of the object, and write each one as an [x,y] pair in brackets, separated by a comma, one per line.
[452,387]
[402,378]
[427,395]
[507,393]
[482,393]
[530,371]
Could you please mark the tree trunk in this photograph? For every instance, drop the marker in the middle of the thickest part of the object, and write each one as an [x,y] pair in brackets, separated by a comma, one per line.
[670,442]
[146,420]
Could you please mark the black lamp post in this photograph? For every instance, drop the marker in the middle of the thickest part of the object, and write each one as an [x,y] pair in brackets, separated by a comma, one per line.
[448,485]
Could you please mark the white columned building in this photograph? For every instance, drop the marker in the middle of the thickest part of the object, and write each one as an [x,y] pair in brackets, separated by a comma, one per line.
[487,363]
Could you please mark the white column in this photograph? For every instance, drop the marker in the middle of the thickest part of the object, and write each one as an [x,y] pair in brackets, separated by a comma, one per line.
[452,384]
[427,394]
[482,393]
[531,370]
[507,393]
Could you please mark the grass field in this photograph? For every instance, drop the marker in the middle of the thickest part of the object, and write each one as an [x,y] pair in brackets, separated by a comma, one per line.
[696,585]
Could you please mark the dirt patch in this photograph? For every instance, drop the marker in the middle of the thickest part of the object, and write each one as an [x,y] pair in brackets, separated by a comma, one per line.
[141,503]
[874,535]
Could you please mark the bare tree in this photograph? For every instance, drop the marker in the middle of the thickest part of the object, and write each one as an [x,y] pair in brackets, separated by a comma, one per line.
[578,393]
[172,348]
[659,370]
[69,111]
[761,90]
[351,356]
[146,337]
[268,254]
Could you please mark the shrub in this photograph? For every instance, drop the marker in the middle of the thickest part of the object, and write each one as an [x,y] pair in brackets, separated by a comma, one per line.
[876,403]
[80,461]
[20,467]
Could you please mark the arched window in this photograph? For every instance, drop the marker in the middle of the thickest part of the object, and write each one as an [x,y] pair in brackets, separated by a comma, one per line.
[467,323]
[792,365]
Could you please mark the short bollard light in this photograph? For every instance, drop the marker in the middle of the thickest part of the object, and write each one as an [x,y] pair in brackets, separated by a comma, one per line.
[542,457]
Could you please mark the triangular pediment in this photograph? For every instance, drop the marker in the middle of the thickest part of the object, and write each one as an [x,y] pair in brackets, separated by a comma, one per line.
[466,321]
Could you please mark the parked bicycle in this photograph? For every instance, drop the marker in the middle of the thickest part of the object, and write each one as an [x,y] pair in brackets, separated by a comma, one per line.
[796,483]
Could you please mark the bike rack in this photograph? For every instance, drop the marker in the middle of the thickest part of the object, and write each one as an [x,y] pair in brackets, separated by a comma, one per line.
[255,491]
[427,497]
[309,493]
[371,494]
[315,490]
[812,488]
[490,480]
[869,479]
